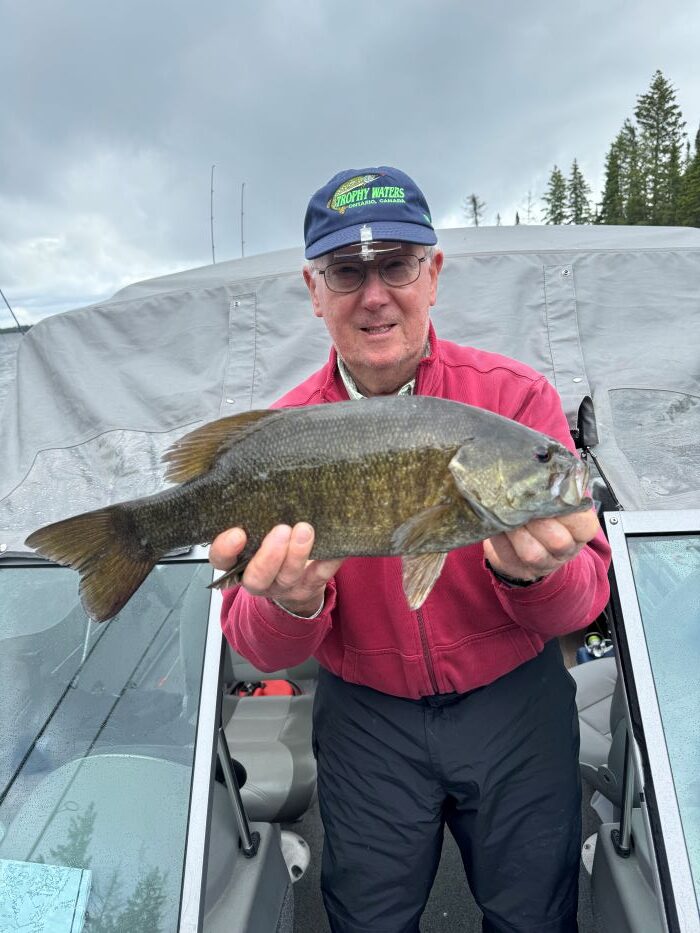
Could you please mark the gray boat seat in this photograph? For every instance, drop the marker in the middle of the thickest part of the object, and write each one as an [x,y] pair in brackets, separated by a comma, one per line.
[601,714]
[271,738]
[595,685]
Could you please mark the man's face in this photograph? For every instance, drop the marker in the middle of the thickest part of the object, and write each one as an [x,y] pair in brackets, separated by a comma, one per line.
[379,330]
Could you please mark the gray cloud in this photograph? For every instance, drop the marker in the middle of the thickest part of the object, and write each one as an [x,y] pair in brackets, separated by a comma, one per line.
[108,136]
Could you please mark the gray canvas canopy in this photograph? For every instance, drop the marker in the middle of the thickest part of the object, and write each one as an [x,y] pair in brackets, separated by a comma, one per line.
[608,314]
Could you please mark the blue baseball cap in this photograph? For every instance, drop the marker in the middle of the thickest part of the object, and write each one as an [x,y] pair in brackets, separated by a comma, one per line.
[367,204]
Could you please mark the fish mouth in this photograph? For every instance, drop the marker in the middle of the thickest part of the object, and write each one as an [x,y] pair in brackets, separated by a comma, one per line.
[570,486]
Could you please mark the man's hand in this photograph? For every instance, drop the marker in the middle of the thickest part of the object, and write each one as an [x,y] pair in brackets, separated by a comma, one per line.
[542,546]
[280,569]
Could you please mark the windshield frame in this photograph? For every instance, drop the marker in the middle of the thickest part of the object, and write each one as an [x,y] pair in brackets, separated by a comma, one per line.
[673,874]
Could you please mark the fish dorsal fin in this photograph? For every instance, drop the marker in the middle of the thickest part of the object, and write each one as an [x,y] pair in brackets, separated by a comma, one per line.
[197,452]
[419,575]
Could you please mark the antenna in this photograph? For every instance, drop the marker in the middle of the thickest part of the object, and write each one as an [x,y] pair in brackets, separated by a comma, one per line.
[10,310]
[211,214]
[242,240]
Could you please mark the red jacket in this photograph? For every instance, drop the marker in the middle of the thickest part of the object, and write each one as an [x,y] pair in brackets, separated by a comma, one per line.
[472,628]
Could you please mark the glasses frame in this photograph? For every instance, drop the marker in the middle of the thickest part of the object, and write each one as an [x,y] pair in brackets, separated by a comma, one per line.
[362,266]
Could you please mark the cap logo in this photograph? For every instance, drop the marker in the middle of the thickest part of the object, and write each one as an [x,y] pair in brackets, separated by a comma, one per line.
[356,192]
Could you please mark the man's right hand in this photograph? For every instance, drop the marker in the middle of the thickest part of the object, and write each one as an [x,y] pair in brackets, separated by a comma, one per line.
[280,569]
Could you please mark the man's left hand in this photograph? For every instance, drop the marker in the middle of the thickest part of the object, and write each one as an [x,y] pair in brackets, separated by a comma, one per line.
[542,546]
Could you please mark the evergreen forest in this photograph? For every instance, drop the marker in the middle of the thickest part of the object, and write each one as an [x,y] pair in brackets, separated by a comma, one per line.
[652,174]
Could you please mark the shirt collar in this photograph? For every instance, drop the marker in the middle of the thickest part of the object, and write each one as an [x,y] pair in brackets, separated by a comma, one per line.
[355,393]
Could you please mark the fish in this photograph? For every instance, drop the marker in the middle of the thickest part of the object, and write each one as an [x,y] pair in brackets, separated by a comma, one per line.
[405,476]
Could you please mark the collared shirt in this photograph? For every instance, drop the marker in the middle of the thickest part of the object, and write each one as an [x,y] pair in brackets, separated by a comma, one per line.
[354,392]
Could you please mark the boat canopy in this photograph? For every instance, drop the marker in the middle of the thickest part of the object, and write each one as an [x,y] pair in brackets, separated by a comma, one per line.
[610,315]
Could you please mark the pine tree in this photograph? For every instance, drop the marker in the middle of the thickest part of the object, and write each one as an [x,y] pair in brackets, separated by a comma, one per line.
[555,199]
[612,208]
[689,202]
[632,175]
[473,209]
[578,207]
[661,138]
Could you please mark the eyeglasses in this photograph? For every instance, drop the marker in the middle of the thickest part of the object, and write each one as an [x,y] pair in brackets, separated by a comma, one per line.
[347,276]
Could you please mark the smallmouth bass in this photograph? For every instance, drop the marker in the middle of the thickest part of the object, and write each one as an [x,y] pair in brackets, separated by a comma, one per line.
[409,476]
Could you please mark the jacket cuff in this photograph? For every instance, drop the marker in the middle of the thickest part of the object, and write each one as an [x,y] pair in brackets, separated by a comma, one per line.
[530,591]
[296,615]
[278,620]
[509,581]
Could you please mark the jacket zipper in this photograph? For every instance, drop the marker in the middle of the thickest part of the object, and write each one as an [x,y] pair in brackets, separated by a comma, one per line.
[426,651]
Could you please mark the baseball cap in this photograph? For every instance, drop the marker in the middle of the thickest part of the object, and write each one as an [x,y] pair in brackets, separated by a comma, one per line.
[363,204]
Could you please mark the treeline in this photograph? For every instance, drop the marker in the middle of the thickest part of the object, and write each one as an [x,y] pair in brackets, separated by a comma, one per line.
[652,175]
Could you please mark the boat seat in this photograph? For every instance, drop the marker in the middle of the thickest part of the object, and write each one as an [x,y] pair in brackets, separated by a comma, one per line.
[601,714]
[595,685]
[271,738]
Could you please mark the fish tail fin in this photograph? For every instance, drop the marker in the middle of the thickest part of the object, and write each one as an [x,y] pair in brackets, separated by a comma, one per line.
[103,548]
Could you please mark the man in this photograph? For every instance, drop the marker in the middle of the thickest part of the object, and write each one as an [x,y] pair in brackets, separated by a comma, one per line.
[461,712]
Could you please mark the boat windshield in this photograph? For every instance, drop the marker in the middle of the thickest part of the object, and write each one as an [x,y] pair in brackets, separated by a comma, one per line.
[666,570]
[97,727]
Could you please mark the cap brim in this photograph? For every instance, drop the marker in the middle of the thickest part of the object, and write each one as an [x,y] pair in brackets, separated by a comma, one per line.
[385,230]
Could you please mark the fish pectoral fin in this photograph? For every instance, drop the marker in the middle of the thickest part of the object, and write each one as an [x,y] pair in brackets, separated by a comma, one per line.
[422,530]
[419,575]
[197,452]
[232,577]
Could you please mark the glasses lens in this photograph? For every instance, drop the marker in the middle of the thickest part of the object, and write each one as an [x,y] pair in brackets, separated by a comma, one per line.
[344,276]
[399,270]
[348,276]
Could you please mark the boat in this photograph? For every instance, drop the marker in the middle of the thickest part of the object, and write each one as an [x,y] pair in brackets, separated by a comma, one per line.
[132,769]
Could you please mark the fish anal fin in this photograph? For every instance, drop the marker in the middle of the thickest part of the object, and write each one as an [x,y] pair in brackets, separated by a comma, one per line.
[419,575]
[197,452]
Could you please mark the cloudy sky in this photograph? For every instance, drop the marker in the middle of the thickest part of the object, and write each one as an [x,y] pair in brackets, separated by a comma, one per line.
[112,114]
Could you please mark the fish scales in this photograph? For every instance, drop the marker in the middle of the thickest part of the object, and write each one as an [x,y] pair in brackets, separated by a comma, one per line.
[354,486]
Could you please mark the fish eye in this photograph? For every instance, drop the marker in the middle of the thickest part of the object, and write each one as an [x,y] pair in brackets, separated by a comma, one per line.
[543,454]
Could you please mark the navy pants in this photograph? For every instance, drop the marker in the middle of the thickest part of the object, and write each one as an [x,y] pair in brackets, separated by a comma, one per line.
[498,765]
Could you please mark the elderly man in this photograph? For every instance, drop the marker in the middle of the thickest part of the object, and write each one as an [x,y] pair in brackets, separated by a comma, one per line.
[459,713]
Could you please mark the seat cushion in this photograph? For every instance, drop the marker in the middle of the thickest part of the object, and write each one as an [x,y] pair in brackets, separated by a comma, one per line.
[271,738]
[595,685]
